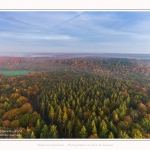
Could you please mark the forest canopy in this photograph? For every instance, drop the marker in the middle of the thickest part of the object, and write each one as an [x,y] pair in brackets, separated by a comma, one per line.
[88,97]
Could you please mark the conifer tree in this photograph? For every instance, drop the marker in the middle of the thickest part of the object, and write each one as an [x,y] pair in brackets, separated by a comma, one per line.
[51,114]
[69,128]
[83,132]
[53,131]
[44,132]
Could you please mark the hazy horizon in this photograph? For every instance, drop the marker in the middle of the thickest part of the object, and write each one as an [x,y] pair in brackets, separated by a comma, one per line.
[77,55]
[75,32]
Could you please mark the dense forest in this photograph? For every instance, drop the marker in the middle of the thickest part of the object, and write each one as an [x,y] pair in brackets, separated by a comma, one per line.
[87,97]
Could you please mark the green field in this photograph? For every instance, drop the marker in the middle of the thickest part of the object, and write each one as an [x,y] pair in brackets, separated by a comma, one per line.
[8,73]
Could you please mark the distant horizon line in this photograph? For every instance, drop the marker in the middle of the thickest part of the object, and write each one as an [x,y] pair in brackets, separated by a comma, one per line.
[71,53]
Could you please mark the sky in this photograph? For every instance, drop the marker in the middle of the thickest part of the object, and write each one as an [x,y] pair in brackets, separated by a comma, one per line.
[75,32]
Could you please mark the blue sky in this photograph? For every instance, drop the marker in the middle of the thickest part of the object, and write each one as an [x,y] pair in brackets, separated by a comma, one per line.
[75,31]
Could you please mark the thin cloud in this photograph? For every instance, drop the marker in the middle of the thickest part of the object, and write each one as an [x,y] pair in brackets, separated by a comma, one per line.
[14,19]
[76,31]
[70,20]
